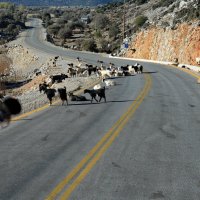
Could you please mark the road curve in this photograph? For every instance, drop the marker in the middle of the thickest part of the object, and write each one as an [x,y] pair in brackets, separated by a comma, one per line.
[142,144]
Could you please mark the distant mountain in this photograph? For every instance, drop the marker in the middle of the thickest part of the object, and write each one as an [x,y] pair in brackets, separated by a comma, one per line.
[61,2]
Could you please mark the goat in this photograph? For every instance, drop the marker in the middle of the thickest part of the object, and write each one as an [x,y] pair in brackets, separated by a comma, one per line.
[198,61]
[92,93]
[42,87]
[80,70]
[141,69]
[131,69]
[105,73]
[136,67]
[58,78]
[100,61]
[72,72]
[50,94]
[125,70]
[8,106]
[63,95]
[76,97]
[91,69]
[100,92]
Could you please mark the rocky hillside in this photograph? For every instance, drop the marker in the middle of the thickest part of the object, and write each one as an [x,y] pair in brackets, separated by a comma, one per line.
[62,2]
[171,31]
[165,44]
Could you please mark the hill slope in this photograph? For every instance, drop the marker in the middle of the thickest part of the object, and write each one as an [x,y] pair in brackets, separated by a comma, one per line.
[61,2]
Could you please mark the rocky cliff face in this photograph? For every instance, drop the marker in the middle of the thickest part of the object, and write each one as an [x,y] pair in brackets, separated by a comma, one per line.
[165,44]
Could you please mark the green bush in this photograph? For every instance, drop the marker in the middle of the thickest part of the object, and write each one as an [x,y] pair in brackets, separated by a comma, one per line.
[140,20]
[98,34]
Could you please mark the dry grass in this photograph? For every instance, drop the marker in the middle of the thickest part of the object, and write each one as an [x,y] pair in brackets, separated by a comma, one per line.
[5,63]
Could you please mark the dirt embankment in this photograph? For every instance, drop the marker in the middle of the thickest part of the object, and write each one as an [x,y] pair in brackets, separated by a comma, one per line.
[161,44]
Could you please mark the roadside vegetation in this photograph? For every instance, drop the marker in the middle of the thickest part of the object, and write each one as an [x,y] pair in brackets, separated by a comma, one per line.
[12,21]
[83,28]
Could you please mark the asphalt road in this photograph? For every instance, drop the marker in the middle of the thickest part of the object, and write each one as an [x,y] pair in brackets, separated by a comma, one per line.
[142,144]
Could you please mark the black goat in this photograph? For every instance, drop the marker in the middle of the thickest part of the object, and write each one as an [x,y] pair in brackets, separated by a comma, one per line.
[99,92]
[50,94]
[125,70]
[136,68]
[42,87]
[91,69]
[100,61]
[58,78]
[63,95]
[77,97]
[8,106]
[141,68]
[92,93]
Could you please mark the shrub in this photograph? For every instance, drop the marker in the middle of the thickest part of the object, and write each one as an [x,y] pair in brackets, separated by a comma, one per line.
[104,45]
[101,21]
[53,29]
[89,45]
[113,31]
[98,34]
[140,20]
[64,33]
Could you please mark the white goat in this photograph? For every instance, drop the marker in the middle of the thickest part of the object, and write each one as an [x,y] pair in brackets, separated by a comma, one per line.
[109,82]
[105,73]
[198,60]
[131,70]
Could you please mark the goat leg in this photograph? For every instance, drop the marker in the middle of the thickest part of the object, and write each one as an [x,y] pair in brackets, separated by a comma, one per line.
[95,99]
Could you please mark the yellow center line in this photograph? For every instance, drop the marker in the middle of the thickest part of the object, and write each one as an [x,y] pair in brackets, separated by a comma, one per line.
[186,71]
[68,178]
[103,149]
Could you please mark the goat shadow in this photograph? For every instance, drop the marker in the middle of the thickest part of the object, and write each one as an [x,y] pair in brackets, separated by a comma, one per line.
[23,119]
[82,104]
[118,101]
[150,72]
[17,84]
[102,102]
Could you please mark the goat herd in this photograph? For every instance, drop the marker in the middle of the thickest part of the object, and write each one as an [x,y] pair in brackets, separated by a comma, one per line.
[98,90]
[11,106]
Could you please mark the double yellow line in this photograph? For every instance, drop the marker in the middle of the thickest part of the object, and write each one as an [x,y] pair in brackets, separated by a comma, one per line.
[76,176]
